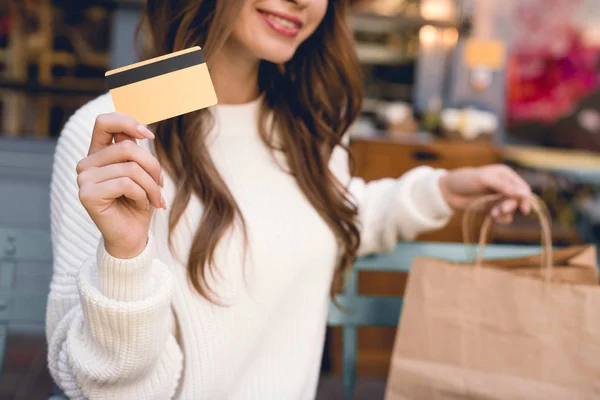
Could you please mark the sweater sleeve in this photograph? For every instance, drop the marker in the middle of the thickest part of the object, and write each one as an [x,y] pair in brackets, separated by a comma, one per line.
[393,209]
[105,321]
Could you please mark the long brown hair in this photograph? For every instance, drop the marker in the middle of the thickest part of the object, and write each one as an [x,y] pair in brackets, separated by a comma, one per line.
[312,99]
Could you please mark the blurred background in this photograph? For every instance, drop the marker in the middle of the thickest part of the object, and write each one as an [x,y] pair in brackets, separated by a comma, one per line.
[449,83]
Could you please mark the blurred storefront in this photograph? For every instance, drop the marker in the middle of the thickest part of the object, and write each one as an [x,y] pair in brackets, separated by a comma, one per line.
[553,85]
[53,57]
[54,54]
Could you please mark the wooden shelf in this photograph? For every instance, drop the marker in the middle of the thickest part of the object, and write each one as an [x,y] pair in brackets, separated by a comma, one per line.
[553,159]
[529,232]
[577,165]
[376,23]
[76,88]
[381,55]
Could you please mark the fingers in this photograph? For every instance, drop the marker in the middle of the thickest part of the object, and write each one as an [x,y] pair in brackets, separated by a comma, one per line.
[520,187]
[121,137]
[131,170]
[497,182]
[506,207]
[113,189]
[121,169]
[525,207]
[503,212]
[125,151]
[504,219]
[107,125]
[504,180]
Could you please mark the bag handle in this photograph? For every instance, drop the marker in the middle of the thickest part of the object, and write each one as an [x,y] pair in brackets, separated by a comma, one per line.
[537,206]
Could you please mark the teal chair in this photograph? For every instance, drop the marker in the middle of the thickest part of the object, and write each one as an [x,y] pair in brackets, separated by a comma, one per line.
[16,307]
[359,311]
[22,307]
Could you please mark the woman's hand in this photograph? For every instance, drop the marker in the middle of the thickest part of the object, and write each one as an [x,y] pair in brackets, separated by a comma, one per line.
[120,184]
[461,186]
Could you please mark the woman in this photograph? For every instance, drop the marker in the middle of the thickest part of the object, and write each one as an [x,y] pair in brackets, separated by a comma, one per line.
[211,280]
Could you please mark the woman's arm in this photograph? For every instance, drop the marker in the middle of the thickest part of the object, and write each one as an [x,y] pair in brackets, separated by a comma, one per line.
[394,209]
[106,316]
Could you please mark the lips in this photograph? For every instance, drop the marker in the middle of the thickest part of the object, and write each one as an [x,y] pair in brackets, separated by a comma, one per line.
[284,24]
[288,22]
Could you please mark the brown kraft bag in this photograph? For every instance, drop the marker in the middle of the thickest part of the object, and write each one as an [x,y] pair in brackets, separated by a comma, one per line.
[520,329]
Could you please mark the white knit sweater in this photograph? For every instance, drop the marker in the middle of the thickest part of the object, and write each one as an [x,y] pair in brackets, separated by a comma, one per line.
[134,329]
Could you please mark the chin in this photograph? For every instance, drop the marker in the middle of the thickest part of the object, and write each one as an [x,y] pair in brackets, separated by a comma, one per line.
[274,49]
[280,56]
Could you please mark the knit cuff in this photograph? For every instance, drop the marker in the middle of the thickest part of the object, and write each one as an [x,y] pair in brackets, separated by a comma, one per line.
[427,195]
[126,279]
[418,205]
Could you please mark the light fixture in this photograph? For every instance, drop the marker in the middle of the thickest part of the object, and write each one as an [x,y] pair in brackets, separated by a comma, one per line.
[437,10]
[450,37]
[428,36]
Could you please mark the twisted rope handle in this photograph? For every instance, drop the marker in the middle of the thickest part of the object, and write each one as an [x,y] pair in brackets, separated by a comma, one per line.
[537,206]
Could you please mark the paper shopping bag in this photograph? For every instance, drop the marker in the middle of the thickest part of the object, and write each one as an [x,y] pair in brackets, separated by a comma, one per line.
[573,264]
[491,332]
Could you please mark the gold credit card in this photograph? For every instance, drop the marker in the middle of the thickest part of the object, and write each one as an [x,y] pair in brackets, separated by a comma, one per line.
[164,87]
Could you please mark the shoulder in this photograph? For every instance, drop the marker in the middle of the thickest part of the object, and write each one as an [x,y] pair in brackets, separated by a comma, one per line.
[80,125]
[76,135]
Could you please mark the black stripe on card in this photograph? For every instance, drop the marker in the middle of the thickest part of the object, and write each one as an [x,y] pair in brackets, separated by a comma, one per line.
[155,69]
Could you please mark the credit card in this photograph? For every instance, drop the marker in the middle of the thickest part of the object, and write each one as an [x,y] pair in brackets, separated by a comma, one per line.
[163,87]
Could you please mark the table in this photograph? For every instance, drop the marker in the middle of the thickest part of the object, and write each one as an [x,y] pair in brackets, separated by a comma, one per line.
[579,166]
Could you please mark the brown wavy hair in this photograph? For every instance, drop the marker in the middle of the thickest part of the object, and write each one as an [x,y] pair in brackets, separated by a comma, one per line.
[312,99]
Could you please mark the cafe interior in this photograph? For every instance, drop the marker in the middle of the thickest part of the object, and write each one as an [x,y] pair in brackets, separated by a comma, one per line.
[448,83]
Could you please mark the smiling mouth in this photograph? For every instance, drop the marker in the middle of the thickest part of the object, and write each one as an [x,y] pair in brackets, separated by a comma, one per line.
[284,21]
